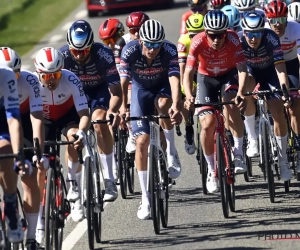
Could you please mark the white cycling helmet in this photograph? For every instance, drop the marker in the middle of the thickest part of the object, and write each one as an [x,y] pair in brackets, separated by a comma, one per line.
[152,31]
[216,20]
[243,5]
[252,21]
[48,60]
[294,11]
[10,58]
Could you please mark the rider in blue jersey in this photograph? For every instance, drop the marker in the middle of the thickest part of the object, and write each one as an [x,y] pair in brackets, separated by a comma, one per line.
[266,66]
[95,66]
[152,64]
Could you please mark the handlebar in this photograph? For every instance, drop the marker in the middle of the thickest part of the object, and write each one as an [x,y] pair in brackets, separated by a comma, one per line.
[215,104]
[111,119]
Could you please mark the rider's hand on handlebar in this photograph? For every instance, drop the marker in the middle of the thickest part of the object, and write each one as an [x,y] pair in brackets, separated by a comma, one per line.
[80,142]
[42,164]
[175,116]
[189,103]
[241,102]
[287,102]
[116,120]
[21,169]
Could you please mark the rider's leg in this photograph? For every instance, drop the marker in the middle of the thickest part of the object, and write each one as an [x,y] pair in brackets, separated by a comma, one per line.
[163,104]
[295,124]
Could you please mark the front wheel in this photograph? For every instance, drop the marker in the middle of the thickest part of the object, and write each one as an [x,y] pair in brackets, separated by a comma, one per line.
[164,199]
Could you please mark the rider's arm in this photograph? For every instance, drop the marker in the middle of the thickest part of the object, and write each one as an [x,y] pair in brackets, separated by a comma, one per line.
[12,109]
[37,122]
[182,56]
[117,51]
[188,80]
[124,85]
[282,74]
[116,97]
[243,78]
[84,123]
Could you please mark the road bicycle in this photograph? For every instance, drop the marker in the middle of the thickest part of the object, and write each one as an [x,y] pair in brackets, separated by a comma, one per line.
[4,243]
[158,180]
[56,208]
[224,166]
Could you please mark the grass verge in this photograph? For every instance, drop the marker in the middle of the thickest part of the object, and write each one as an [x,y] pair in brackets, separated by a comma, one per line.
[27,24]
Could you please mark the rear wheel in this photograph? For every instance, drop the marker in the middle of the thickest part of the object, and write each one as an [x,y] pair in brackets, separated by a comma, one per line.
[122,163]
[99,203]
[130,172]
[50,211]
[201,160]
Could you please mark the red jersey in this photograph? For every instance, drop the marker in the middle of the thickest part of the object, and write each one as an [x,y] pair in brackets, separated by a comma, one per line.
[215,62]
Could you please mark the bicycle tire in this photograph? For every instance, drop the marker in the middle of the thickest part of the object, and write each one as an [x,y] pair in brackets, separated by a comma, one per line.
[230,181]
[121,153]
[164,201]
[99,202]
[89,202]
[248,173]
[222,176]
[198,145]
[201,161]
[154,190]
[49,220]
[269,170]
[130,172]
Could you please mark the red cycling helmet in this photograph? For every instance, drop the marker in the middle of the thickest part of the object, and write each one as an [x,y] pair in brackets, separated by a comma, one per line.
[110,27]
[136,19]
[219,3]
[276,9]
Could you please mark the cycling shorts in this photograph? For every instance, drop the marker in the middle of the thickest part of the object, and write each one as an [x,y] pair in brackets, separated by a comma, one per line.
[208,89]
[98,98]
[60,125]
[267,78]
[142,104]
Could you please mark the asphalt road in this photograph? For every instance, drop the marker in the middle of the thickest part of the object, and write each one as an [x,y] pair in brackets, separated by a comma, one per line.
[195,220]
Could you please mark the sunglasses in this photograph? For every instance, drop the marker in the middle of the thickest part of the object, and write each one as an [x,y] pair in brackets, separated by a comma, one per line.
[48,76]
[111,40]
[280,20]
[83,52]
[251,35]
[216,36]
[152,45]
[135,30]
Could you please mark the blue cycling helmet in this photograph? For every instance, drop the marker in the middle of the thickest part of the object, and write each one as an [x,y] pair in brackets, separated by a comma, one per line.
[233,15]
[80,35]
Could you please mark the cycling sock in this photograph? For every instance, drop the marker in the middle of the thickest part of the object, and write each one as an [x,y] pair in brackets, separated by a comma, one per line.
[107,165]
[32,220]
[282,145]
[238,146]
[72,169]
[250,127]
[40,222]
[297,142]
[143,183]
[170,138]
[210,162]
[78,180]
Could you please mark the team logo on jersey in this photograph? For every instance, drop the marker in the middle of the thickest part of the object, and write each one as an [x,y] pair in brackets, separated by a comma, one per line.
[149,71]
[86,78]
[112,71]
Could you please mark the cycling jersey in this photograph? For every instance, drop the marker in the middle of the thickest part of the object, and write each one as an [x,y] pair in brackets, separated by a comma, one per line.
[290,41]
[99,70]
[269,51]
[148,81]
[183,47]
[29,92]
[215,62]
[9,96]
[119,46]
[69,93]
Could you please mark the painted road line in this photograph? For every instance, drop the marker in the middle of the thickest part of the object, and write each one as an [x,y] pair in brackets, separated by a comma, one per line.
[81,14]
[56,38]
[66,26]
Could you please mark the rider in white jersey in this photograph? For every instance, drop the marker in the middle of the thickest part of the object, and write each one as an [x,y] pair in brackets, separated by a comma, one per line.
[11,135]
[65,109]
[31,110]
[289,35]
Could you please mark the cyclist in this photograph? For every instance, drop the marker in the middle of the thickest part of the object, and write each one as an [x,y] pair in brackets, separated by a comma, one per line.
[194,25]
[95,66]
[65,109]
[197,6]
[245,6]
[289,35]
[31,110]
[11,135]
[219,4]
[221,62]
[152,64]
[233,15]
[266,67]
[110,31]
[134,21]
[294,12]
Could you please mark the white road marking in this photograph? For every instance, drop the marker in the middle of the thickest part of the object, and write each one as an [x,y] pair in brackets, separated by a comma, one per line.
[81,14]
[56,38]
[66,26]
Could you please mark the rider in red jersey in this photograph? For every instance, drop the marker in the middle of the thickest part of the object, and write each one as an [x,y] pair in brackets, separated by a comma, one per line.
[197,6]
